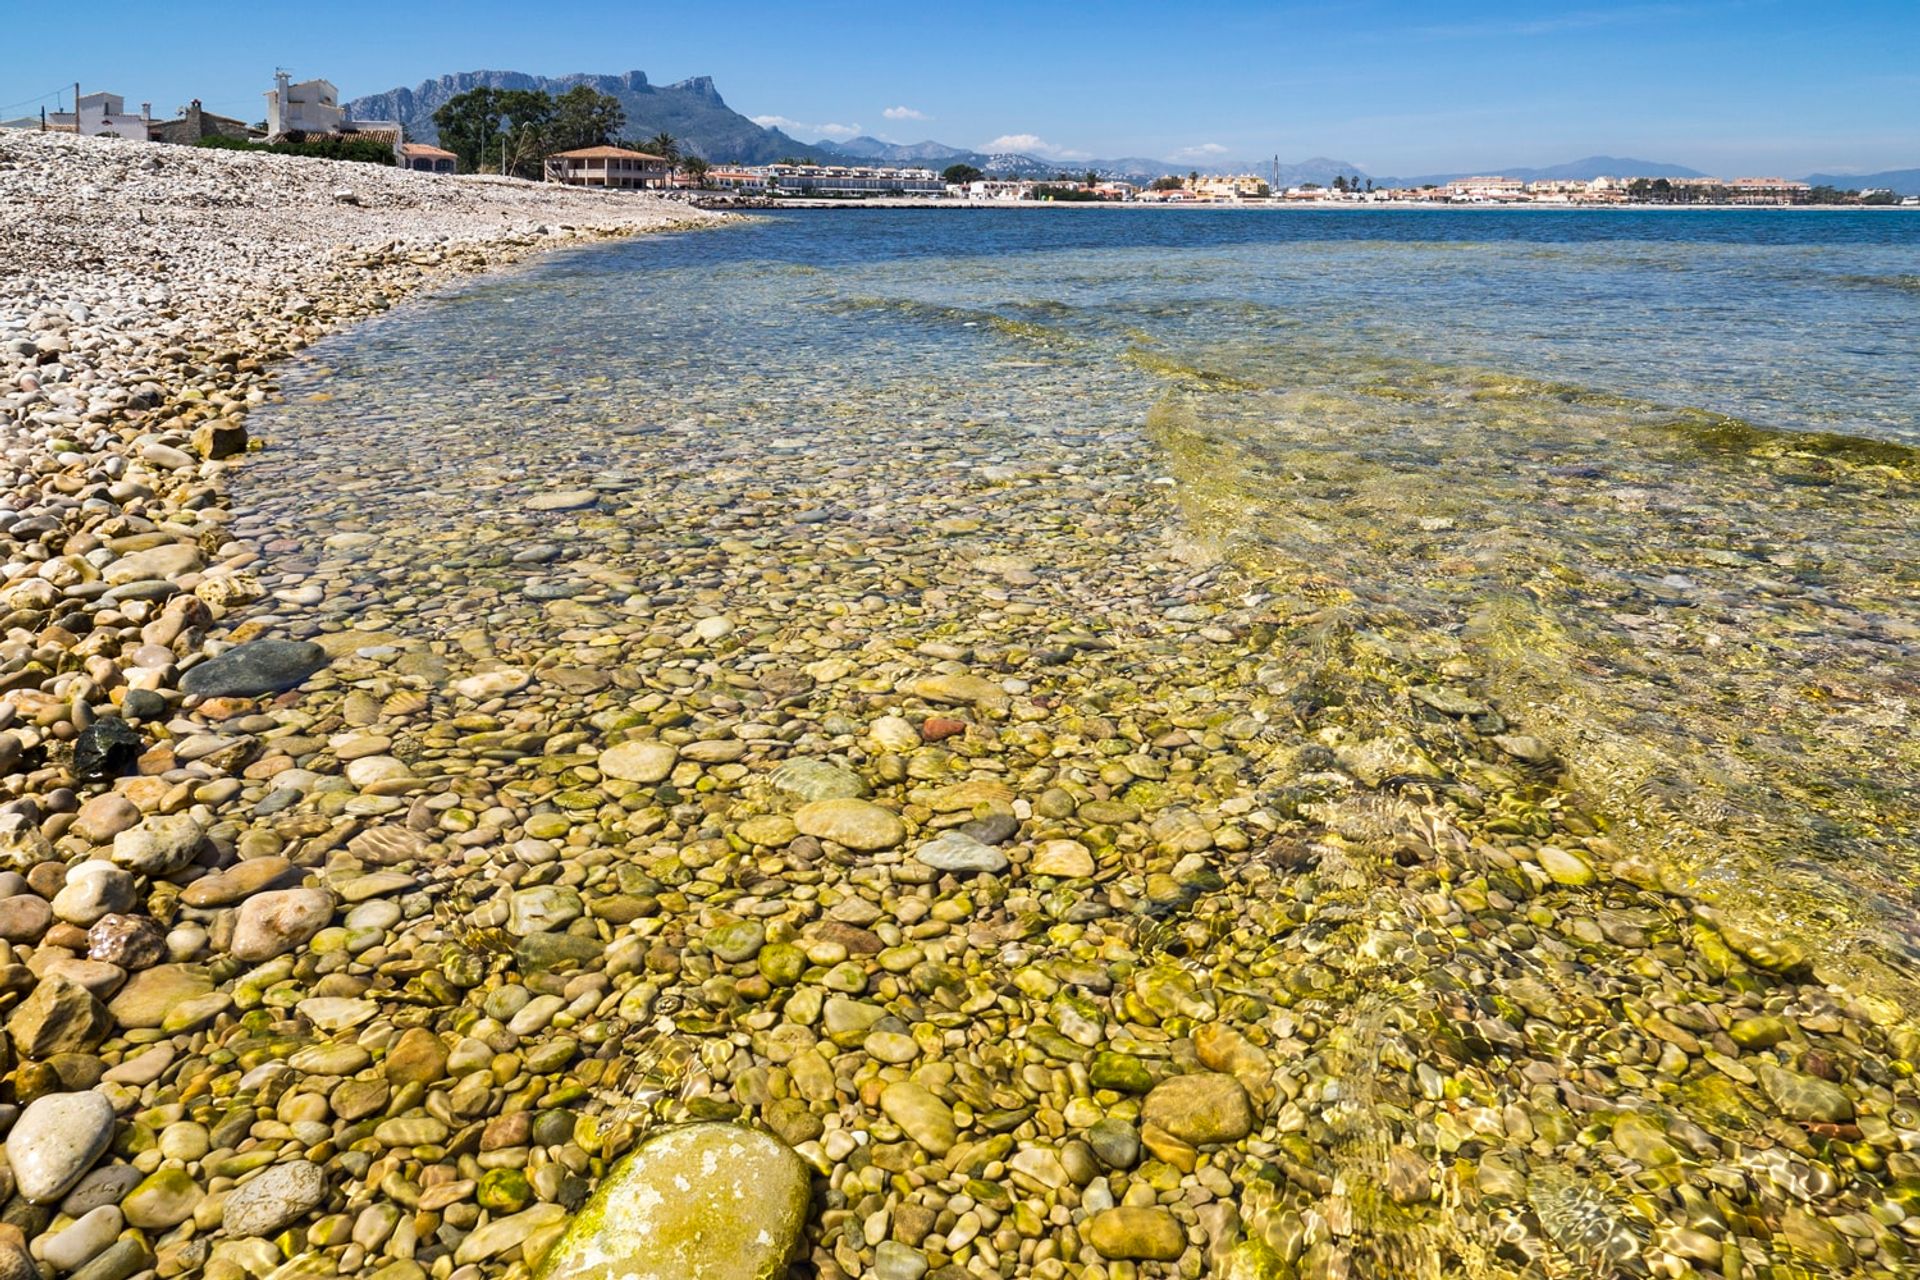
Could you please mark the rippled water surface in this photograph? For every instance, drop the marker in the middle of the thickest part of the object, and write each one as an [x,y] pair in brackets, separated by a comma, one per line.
[1593,524]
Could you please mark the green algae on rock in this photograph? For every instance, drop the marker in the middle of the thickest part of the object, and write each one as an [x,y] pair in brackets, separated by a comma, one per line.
[696,1202]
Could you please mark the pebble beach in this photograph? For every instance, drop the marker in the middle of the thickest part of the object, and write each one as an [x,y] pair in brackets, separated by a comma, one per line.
[904,851]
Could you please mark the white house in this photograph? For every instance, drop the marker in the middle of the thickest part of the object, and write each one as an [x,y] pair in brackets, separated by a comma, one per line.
[312,107]
[99,114]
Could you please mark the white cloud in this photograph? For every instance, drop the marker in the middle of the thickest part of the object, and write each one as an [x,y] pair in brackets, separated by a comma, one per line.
[1032,145]
[1205,151]
[903,113]
[798,128]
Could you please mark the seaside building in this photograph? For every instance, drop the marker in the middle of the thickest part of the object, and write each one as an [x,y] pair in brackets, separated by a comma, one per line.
[615,168]
[196,123]
[996,189]
[1767,191]
[422,158]
[746,181]
[846,180]
[1485,190]
[311,109]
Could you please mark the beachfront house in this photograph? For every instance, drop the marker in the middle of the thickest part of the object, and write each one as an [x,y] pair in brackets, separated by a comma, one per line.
[616,168]
[421,158]
[311,110]
[100,115]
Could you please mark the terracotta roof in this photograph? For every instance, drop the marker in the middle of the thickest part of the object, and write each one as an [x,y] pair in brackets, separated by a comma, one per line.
[604,153]
[420,150]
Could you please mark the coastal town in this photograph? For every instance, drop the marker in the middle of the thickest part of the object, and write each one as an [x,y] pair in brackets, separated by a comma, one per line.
[308,114]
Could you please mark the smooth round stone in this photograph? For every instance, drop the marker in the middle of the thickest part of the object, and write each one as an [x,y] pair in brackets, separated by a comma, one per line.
[165,1199]
[56,1140]
[368,770]
[84,1239]
[644,762]
[276,921]
[857,824]
[697,1202]
[276,1197]
[1563,867]
[159,846]
[921,1116]
[260,666]
[960,853]
[1066,858]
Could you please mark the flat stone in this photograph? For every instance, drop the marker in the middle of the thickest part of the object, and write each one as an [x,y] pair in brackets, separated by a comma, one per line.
[563,500]
[956,852]
[1140,1233]
[159,846]
[257,667]
[698,1202]
[857,824]
[1200,1108]
[152,993]
[276,1197]
[808,780]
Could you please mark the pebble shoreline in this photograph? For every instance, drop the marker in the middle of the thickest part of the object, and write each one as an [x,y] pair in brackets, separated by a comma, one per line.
[1065,921]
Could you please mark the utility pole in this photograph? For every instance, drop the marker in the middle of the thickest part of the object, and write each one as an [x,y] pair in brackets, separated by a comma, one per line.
[76,109]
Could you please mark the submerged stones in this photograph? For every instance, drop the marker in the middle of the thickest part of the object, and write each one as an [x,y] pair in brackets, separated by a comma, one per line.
[699,1202]
[257,667]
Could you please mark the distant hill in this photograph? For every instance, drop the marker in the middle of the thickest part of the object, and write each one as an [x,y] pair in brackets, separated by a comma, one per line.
[1572,171]
[938,155]
[691,110]
[1904,182]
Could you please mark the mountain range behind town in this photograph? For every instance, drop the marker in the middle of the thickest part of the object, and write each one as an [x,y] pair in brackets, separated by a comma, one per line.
[693,111]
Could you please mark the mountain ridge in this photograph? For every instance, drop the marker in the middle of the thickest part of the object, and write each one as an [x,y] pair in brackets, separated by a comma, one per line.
[690,109]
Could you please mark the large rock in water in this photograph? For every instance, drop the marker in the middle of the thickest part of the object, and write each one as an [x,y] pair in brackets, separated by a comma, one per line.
[259,666]
[697,1202]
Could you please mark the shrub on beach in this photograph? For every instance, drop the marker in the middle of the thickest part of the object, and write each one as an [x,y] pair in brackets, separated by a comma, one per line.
[362,150]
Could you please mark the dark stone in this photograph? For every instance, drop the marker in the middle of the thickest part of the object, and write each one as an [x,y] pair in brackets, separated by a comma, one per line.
[260,666]
[143,704]
[995,828]
[106,749]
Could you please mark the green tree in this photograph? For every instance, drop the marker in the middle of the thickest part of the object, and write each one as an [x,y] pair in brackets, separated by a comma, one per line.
[1340,182]
[696,168]
[1193,178]
[1093,179]
[585,117]
[1168,183]
[960,175]
[496,130]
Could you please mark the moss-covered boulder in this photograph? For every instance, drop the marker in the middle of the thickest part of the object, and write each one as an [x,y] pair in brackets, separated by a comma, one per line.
[697,1202]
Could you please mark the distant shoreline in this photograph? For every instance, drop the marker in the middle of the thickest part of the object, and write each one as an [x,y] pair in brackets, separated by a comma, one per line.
[1313,206]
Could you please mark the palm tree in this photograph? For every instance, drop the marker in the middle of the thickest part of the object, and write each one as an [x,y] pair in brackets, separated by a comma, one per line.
[666,146]
[696,167]
[1093,179]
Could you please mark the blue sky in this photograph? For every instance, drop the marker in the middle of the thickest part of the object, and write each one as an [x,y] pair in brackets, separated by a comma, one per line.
[1727,86]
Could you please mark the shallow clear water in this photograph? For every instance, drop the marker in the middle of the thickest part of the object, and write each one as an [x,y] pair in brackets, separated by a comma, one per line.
[1517,428]
[1596,520]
